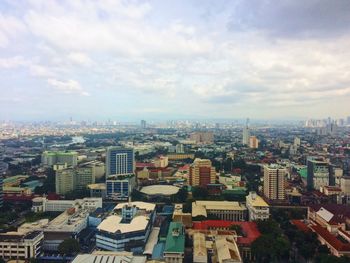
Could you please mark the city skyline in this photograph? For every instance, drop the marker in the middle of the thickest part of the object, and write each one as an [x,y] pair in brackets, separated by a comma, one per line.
[174,60]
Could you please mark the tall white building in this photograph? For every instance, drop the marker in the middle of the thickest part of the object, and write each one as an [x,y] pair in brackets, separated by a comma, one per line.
[274,182]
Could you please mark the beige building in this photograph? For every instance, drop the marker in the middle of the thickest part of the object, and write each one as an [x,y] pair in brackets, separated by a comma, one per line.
[20,246]
[202,137]
[258,209]
[65,181]
[224,210]
[51,158]
[68,180]
[161,161]
[274,182]
[202,173]
[253,142]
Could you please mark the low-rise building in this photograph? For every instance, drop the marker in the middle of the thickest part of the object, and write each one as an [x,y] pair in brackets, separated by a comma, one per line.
[127,228]
[17,245]
[42,204]
[258,209]
[104,256]
[224,210]
[174,251]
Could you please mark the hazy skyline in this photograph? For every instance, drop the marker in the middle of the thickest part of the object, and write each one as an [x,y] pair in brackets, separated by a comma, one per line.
[174,59]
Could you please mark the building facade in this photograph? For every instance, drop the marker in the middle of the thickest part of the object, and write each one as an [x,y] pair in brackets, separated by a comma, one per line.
[120,187]
[317,173]
[274,182]
[258,209]
[18,246]
[119,161]
[51,158]
[201,173]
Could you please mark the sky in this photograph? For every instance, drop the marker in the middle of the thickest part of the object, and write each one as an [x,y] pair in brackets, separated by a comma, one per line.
[131,60]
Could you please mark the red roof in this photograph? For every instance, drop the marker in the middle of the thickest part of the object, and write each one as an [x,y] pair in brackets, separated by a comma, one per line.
[331,239]
[300,225]
[250,229]
[143,165]
[186,167]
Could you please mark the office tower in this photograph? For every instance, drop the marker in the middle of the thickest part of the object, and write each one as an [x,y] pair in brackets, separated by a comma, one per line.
[180,148]
[202,173]
[65,181]
[317,173]
[51,158]
[202,137]
[274,182]
[143,124]
[297,142]
[119,161]
[120,187]
[246,134]
[253,142]
[120,167]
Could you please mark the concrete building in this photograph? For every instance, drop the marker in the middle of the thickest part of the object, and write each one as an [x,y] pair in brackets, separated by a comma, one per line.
[317,173]
[51,158]
[65,181]
[174,251]
[245,135]
[21,246]
[77,178]
[119,161]
[179,148]
[97,190]
[127,229]
[225,210]
[201,173]
[113,257]
[42,204]
[274,182]
[253,142]
[161,162]
[98,168]
[258,209]
[202,137]
[120,187]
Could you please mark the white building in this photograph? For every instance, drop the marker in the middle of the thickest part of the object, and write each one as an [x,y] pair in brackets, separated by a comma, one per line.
[258,209]
[127,228]
[42,204]
[20,246]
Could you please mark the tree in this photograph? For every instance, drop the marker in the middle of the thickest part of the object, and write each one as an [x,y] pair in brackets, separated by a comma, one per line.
[181,196]
[199,193]
[69,246]
[237,228]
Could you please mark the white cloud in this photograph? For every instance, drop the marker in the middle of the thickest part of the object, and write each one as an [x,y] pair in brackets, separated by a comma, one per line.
[79,58]
[68,87]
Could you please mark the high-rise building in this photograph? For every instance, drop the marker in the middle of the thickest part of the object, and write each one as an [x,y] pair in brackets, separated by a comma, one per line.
[202,137]
[143,124]
[317,173]
[51,158]
[119,161]
[246,134]
[274,182]
[65,181]
[297,142]
[202,173]
[71,179]
[179,148]
[253,142]
[120,187]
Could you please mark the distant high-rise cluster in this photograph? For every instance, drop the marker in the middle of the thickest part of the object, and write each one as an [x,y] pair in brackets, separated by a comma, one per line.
[143,124]
[246,134]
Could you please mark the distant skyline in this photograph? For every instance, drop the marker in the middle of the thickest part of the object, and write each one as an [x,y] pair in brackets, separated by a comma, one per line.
[159,60]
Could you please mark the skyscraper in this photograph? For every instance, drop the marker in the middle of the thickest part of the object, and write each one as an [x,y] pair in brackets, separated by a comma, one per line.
[274,182]
[120,167]
[317,173]
[143,124]
[246,134]
[120,161]
[202,173]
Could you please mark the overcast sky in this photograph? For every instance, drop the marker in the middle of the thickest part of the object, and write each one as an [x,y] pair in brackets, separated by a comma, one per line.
[130,60]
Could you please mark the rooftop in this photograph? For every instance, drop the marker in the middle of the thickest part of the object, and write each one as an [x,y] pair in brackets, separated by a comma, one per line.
[112,224]
[160,190]
[175,241]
